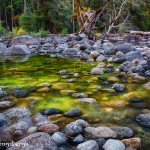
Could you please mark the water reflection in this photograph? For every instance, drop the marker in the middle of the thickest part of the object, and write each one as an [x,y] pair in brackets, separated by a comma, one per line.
[16,58]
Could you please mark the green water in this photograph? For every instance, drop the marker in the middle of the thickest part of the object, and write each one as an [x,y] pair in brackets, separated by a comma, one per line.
[40,69]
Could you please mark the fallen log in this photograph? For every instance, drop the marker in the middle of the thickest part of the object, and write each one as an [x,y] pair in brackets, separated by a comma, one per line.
[142,33]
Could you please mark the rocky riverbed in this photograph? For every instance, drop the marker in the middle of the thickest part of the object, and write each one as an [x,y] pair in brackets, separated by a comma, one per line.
[75,93]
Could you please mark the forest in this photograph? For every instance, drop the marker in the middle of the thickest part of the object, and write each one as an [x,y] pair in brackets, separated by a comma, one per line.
[62,16]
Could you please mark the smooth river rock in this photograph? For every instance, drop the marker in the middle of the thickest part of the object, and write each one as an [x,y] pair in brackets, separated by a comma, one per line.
[75,112]
[36,141]
[99,132]
[124,132]
[88,145]
[72,129]
[87,100]
[132,142]
[113,145]
[144,120]
[60,138]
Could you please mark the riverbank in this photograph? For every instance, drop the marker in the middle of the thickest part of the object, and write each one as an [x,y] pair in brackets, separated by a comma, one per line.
[107,82]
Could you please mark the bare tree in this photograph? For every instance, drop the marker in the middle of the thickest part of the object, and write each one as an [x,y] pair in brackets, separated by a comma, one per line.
[114,16]
[88,20]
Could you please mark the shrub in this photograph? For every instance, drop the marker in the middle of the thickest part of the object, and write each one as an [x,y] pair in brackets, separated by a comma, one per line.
[2,29]
[43,33]
[21,32]
[27,22]
[64,31]
[18,31]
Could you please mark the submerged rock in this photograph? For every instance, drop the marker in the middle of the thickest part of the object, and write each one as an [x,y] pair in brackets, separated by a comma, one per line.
[144,120]
[147,85]
[87,100]
[88,145]
[51,111]
[97,71]
[3,94]
[73,113]
[114,145]
[20,93]
[80,95]
[136,100]
[118,87]
[67,92]
[116,104]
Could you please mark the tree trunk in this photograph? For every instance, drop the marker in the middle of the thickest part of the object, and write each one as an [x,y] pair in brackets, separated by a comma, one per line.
[73,21]
[78,13]
[140,33]
[25,6]
[12,15]
[6,21]
[92,18]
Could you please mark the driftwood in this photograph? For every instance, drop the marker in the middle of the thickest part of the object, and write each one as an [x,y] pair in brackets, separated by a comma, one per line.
[142,33]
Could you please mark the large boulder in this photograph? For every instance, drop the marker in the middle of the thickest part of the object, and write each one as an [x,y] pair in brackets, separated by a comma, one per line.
[130,56]
[120,46]
[17,50]
[24,40]
[39,141]
[2,48]
[16,113]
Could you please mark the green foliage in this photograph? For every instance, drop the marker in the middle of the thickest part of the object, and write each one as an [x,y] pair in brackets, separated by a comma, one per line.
[56,16]
[64,31]
[43,33]
[2,29]
[27,22]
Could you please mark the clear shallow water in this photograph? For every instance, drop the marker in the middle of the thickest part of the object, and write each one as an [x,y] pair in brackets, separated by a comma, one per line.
[40,69]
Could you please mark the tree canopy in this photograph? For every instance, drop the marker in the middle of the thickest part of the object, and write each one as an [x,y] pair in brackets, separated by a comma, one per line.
[57,16]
